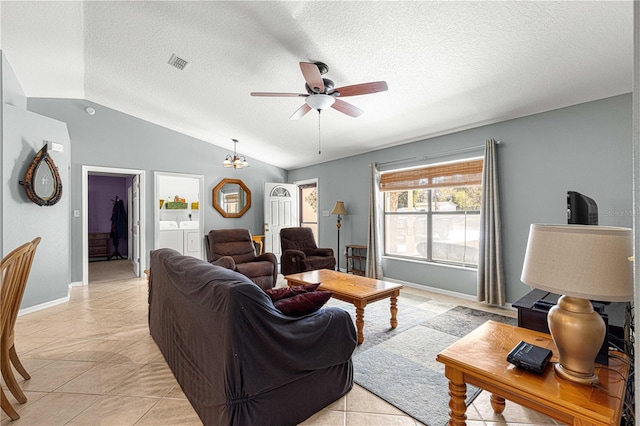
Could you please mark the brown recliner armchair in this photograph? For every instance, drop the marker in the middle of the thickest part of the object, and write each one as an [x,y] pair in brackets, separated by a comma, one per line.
[300,252]
[234,249]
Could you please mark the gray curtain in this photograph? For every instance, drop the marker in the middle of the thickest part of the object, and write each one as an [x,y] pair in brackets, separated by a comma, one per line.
[374,250]
[491,286]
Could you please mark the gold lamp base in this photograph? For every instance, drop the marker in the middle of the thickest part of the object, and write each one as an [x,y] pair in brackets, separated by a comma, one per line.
[583,379]
[578,332]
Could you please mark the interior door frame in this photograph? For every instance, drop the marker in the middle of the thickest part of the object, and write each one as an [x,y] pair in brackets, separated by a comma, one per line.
[156,201]
[85,213]
[129,219]
[134,225]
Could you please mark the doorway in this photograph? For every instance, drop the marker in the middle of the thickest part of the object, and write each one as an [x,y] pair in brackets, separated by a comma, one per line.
[179,223]
[134,244]
[280,211]
[289,205]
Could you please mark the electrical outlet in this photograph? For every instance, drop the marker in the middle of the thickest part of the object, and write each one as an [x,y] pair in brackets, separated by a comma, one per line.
[76,213]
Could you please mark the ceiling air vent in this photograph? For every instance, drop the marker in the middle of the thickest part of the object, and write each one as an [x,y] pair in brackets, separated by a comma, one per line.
[178,62]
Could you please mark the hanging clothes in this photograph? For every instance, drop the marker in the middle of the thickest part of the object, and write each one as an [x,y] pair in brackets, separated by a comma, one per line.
[118,226]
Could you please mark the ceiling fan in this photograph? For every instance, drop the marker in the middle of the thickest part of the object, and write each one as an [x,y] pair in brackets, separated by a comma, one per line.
[322,93]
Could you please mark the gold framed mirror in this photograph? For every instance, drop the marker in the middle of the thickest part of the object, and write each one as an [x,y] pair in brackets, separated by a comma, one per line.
[231,198]
[42,180]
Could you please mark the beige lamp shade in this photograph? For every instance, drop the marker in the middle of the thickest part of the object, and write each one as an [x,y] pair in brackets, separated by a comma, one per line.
[339,208]
[589,262]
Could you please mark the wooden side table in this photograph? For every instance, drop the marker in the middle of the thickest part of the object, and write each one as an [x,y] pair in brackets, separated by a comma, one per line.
[480,359]
[259,240]
[356,259]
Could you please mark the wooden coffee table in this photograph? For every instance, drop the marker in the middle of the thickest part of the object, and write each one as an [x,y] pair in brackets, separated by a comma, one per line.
[352,289]
[480,359]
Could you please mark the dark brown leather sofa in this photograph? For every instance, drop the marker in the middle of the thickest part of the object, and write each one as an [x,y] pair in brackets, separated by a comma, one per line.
[300,252]
[238,359]
[235,249]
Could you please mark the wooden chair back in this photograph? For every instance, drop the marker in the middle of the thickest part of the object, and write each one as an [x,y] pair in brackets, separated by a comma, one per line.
[14,273]
[15,268]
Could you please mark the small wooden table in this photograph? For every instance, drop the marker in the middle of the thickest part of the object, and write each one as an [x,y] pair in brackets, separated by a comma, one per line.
[352,289]
[259,240]
[479,359]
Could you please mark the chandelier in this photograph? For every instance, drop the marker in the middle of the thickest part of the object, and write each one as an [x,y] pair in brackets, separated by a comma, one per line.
[236,161]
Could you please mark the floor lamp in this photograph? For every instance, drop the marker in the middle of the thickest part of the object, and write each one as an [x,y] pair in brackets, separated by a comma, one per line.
[340,211]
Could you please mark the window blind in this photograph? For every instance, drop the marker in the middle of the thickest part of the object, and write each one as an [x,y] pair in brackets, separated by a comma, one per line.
[438,176]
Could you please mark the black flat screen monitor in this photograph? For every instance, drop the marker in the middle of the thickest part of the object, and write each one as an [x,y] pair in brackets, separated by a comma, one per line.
[581,210]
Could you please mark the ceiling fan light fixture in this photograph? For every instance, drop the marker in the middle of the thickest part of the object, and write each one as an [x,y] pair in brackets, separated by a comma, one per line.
[320,102]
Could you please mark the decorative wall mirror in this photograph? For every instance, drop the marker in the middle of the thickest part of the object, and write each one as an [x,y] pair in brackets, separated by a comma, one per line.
[42,180]
[231,198]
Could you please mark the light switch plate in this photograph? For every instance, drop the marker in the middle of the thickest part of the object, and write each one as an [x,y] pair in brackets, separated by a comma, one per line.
[325,213]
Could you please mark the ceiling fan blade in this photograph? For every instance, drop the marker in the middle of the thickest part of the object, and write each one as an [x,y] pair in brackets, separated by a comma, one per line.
[347,108]
[312,76]
[280,95]
[362,89]
[300,112]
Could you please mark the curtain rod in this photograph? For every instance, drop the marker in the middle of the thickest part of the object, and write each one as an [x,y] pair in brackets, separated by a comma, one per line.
[439,154]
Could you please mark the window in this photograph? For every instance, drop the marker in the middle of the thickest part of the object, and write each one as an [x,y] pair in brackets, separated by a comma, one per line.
[433,213]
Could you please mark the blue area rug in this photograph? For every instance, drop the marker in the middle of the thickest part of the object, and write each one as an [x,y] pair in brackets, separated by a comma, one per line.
[399,365]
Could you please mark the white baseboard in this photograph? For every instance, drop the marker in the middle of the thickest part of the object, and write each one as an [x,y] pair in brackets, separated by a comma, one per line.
[445,292]
[42,306]
[76,284]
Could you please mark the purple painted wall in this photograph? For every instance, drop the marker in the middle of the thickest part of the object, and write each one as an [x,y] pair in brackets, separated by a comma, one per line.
[103,191]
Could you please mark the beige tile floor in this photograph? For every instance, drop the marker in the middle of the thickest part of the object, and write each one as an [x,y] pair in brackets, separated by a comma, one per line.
[92,362]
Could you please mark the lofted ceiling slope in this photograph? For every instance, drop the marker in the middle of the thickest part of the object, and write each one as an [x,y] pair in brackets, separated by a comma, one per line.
[449,65]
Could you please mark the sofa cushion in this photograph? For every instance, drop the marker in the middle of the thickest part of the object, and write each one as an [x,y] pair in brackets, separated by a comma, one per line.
[297,239]
[303,304]
[312,263]
[255,269]
[236,243]
[286,292]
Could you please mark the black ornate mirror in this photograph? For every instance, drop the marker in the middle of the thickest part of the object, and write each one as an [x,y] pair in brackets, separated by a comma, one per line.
[231,198]
[42,180]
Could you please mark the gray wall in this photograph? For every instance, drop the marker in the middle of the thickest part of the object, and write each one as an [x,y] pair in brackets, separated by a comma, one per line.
[114,139]
[585,148]
[23,133]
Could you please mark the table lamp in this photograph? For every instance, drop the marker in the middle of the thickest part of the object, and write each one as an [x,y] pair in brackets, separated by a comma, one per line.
[340,211]
[582,263]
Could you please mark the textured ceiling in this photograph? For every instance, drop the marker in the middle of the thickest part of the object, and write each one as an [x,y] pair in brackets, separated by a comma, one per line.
[449,65]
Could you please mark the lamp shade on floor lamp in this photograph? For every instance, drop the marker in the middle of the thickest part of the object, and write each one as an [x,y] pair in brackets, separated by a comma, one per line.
[582,263]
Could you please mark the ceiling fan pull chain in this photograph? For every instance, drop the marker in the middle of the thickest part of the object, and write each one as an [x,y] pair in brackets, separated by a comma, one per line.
[319,149]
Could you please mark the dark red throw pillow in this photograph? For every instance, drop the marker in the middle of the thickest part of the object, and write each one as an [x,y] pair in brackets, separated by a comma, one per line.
[286,292]
[303,304]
